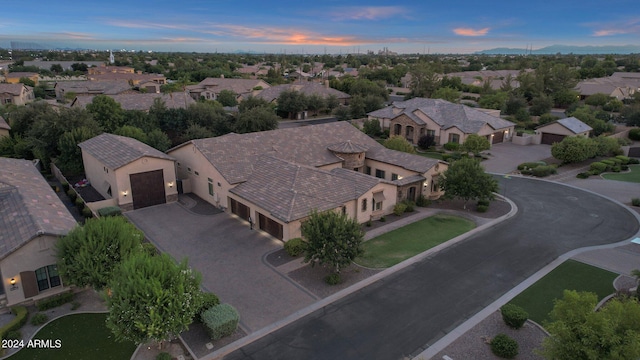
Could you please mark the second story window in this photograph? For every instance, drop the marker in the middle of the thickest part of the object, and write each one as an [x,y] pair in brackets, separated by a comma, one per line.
[380,173]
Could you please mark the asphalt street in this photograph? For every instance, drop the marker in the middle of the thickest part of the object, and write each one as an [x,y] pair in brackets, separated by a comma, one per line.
[402,314]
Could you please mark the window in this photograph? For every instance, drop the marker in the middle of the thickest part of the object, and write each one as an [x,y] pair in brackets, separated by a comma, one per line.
[48,277]
[344,210]
[378,198]
[378,206]
[364,204]
[197,173]
[210,183]
[380,173]
[189,170]
[394,176]
[431,133]
[397,128]
[367,170]
[454,138]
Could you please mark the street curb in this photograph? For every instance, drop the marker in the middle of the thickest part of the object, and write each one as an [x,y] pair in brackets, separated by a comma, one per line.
[218,354]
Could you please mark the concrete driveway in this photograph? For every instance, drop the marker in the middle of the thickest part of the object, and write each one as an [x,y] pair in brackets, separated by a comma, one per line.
[505,157]
[230,257]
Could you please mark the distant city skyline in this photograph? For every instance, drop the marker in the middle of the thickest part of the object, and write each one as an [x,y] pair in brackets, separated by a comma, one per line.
[322,27]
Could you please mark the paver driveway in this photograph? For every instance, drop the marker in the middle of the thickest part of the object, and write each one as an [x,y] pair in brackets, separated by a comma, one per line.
[505,157]
[230,257]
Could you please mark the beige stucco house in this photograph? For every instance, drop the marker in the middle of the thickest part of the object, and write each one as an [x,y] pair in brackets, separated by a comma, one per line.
[276,178]
[445,121]
[141,101]
[4,127]
[557,130]
[129,171]
[16,94]
[210,88]
[32,218]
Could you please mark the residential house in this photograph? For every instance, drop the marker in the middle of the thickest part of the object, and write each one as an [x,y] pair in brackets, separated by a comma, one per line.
[32,218]
[445,121]
[17,94]
[142,102]
[86,88]
[307,88]
[4,127]
[557,130]
[210,88]
[104,69]
[137,80]
[66,65]
[276,178]
[14,77]
[129,171]
[620,85]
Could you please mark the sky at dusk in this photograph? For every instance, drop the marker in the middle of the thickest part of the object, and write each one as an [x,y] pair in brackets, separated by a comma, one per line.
[348,26]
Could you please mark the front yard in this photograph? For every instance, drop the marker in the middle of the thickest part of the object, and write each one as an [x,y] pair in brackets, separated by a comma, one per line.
[632,176]
[398,245]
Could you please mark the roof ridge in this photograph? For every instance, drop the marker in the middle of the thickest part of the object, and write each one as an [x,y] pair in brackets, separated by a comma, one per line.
[295,193]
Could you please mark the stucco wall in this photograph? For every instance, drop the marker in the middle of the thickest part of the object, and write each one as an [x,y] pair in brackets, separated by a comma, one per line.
[141,165]
[35,254]
[555,128]
[99,176]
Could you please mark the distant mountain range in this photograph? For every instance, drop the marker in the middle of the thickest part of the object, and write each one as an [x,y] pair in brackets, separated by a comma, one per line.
[566,49]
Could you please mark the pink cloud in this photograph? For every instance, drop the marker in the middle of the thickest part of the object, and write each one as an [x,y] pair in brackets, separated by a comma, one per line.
[471,32]
[629,26]
[367,12]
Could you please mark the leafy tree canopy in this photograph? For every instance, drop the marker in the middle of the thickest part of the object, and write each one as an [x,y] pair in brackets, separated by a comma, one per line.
[467,180]
[399,143]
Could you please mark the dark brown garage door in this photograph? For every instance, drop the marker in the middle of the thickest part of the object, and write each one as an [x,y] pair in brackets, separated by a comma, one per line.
[271,226]
[549,139]
[634,152]
[498,137]
[239,209]
[147,188]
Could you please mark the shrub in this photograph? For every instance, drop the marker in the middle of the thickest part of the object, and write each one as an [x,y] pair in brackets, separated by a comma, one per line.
[333,279]
[164,356]
[608,162]
[451,146]
[615,160]
[616,168]
[483,202]
[598,167]
[54,301]
[383,219]
[503,346]
[72,195]
[79,203]
[624,159]
[110,211]
[399,209]
[209,300]
[635,202]
[295,246]
[634,134]
[633,161]
[513,315]
[65,187]
[543,170]
[410,206]
[530,165]
[13,335]
[425,141]
[16,323]
[624,167]
[86,212]
[221,320]
[583,175]
[422,201]
[368,223]
[39,319]
[482,208]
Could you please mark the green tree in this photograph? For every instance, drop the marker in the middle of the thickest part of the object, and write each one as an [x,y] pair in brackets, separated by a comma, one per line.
[476,143]
[227,98]
[158,140]
[424,80]
[196,131]
[332,102]
[357,107]
[252,102]
[56,68]
[606,146]
[292,102]
[574,149]
[372,127]
[256,119]
[447,93]
[495,101]
[579,332]
[333,238]
[107,112]
[27,81]
[467,180]
[152,298]
[540,105]
[598,99]
[89,254]
[399,143]
[132,132]
[70,159]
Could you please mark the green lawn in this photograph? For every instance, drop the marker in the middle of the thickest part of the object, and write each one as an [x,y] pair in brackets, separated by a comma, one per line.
[632,176]
[537,299]
[398,245]
[82,336]
[431,154]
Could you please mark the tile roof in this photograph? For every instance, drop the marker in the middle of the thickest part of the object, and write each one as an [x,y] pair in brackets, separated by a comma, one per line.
[573,124]
[4,124]
[13,89]
[116,151]
[234,155]
[239,86]
[290,191]
[28,206]
[347,147]
[21,74]
[142,102]
[94,87]
[444,113]
[308,88]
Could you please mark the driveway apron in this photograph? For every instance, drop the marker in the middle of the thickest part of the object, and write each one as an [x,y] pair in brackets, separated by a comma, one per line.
[230,258]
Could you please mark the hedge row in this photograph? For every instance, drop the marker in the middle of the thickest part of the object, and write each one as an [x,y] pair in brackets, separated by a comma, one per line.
[109,211]
[21,314]
[54,301]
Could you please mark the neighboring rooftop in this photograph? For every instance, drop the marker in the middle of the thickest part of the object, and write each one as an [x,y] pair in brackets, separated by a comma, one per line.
[308,89]
[238,86]
[4,124]
[13,89]
[574,125]
[28,206]
[94,87]
[116,151]
[142,102]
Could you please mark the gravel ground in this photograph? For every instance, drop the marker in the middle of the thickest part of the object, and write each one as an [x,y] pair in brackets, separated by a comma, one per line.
[474,343]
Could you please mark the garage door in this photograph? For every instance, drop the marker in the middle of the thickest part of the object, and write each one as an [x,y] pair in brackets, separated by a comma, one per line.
[271,226]
[498,137]
[549,139]
[147,188]
[239,209]
[634,152]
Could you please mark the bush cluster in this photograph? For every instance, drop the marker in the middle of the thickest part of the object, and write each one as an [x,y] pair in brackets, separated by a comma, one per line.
[634,134]
[54,301]
[110,211]
[79,203]
[295,246]
[482,206]
[164,356]
[16,323]
[544,170]
[451,146]
[86,212]
[530,165]
[221,320]
[72,195]
[635,202]
[422,201]
[333,279]
[65,187]
[504,346]
[513,315]
[209,300]
[39,319]
[399,208]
